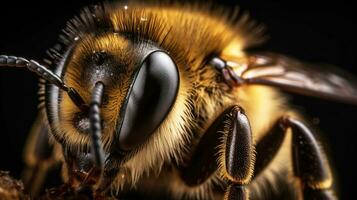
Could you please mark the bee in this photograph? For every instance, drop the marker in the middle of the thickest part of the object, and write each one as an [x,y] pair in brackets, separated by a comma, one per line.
[164,100]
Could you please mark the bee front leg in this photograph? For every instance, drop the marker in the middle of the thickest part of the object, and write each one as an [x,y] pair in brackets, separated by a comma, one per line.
[39,156]
[238,154]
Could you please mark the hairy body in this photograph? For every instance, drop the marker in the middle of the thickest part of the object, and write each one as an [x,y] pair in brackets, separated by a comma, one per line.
[191,35]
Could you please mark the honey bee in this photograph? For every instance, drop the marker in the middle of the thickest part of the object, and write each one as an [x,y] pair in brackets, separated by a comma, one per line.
[165,101]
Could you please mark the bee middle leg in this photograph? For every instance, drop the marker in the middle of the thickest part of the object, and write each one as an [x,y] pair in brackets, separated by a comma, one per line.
[310,164]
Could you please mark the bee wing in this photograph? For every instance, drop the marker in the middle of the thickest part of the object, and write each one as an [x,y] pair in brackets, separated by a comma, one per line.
[294,76]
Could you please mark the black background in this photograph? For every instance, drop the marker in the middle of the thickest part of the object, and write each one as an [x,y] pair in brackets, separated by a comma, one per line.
[317,33]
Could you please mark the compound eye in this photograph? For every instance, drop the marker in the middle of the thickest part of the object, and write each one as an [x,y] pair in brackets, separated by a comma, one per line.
[149,99]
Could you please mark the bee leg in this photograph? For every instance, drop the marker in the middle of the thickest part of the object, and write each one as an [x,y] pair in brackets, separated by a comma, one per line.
[238,154]
[38,156]
[233,125]
[202,163]
[267,147]
[309,162]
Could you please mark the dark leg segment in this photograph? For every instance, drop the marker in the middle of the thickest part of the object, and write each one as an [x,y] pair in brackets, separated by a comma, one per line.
[239,154]
[234,126]
[267,147]
[39,157]
[309,162]
[203,162]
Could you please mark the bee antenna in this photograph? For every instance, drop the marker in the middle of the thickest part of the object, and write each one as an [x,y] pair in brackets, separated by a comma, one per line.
[45,73]
[96,125]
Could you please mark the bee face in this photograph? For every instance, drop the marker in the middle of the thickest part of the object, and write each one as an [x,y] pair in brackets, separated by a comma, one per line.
[141,83]
[96,59]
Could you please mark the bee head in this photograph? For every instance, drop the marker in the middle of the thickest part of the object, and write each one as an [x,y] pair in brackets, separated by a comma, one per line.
[140,81]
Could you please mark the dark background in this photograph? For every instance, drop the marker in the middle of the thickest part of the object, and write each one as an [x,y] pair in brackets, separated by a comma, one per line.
[317,33]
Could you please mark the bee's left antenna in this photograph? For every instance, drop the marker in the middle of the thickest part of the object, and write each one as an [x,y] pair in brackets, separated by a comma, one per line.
[45,73]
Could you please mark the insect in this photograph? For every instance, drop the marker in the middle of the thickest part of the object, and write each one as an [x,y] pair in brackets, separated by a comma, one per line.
[158,99]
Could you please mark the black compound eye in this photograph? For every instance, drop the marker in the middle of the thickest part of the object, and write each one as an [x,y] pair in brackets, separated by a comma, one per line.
[149,100]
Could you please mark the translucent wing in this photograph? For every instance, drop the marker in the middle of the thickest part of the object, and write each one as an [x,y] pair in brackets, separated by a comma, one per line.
[294,76]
